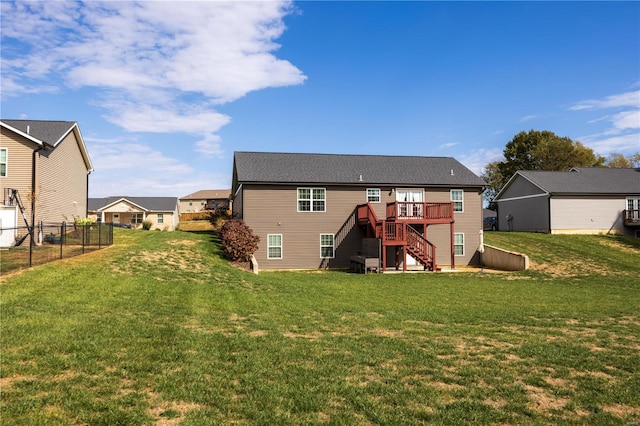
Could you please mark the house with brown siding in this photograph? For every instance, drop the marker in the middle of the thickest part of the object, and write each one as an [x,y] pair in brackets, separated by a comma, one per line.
[314,210]
[583,200]
[130,212]
[48,163]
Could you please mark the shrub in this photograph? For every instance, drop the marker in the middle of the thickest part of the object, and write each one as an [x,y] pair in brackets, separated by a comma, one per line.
[218,217]
[82,221]
[238,240]
[146,225]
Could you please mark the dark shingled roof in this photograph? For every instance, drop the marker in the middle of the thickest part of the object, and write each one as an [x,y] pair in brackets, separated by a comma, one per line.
[154,204]
[587,180]
[49,132]
[264,167]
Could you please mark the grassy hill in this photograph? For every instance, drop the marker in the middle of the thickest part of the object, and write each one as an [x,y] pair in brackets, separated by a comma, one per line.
[158,329]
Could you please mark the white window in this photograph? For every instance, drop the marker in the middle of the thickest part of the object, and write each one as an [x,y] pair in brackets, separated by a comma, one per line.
[633,208]
[274,246]
[160,218]
[458,244]
[312,199]
[136,217]
[373,195]
[457,196]
[3,162]
[326,246]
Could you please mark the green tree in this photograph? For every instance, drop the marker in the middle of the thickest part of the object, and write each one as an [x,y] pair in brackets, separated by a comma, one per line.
[621,162]
[537,150]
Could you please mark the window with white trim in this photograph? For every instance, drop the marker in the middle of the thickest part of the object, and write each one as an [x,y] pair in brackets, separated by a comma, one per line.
[160,218]
[373,195]
[274,246]
[3,162]
[136,218]
[327,246]
[312,199]
[457,196]
[458,244]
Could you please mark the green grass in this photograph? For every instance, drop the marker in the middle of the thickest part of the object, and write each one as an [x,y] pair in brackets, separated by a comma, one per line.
[158,329]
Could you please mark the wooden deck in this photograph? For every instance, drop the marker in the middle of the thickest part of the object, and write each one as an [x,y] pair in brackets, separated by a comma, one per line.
[397,230]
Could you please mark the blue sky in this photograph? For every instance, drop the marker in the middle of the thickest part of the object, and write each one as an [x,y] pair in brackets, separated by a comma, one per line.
[164,91]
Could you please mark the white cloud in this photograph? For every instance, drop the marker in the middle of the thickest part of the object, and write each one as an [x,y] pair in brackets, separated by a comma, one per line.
[621,133]
[159,66]
[628,99]
[476,160]
[528,118]
[449,145]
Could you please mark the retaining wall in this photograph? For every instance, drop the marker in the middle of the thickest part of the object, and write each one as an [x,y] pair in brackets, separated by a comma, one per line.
[497,258]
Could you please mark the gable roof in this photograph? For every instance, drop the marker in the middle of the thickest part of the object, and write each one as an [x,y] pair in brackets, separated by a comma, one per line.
[290,168]
[582,180]
[208,194]
[152,204]
[47,133]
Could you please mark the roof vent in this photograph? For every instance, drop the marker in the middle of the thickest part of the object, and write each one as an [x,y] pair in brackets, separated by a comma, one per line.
[360,178]
[452,174]
[27,129]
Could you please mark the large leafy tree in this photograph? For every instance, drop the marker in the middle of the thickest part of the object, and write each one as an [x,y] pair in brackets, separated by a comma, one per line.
[537,150]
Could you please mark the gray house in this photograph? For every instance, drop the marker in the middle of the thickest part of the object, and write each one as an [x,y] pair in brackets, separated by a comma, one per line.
[314,210]
[579,201]
[162,212]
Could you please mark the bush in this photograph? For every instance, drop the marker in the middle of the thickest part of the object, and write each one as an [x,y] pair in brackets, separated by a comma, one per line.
[218,217]
[146,225]
[238,240]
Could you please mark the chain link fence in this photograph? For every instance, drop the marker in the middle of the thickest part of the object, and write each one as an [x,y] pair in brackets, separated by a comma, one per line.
[50,241]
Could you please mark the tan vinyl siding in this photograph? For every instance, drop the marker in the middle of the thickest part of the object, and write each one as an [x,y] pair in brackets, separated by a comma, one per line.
[468,222]
[272,209]
[19,168]
[62,183]
[587,215]
[196,206]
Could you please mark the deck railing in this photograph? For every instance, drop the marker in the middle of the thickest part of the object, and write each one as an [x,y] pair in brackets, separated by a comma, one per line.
[411,210]
[631,217]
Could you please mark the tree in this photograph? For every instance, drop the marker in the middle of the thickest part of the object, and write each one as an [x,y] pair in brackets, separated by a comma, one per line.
[537,150]
[619,161]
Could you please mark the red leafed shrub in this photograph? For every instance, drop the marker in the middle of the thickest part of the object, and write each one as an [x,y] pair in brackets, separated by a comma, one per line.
[238,240]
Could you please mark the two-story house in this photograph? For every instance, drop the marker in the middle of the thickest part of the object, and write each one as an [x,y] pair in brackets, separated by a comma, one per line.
[313,210]
[48,164]
[206,199]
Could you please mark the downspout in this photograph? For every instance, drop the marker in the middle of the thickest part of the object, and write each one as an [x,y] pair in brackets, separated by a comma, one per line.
[86,204]
[33,188]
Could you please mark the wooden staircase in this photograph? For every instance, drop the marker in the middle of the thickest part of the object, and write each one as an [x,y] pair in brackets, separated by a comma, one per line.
[398,233]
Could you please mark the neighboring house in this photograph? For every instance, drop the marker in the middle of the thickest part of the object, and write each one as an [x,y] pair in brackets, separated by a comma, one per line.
[162,212]
[579,201]
[313,210]
[207,199]
[47,162]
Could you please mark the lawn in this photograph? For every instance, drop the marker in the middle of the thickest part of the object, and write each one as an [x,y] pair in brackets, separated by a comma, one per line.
[158,329]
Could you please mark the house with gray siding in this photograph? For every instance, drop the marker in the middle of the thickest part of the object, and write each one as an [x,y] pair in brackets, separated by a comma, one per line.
[314,210]
[162,212]
[587,200]
[48,164]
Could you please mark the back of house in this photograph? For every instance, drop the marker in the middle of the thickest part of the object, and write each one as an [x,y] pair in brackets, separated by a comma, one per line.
[304,208]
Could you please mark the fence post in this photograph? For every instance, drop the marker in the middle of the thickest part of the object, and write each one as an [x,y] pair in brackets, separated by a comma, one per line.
[99,235]
[61,234]
[83,232]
